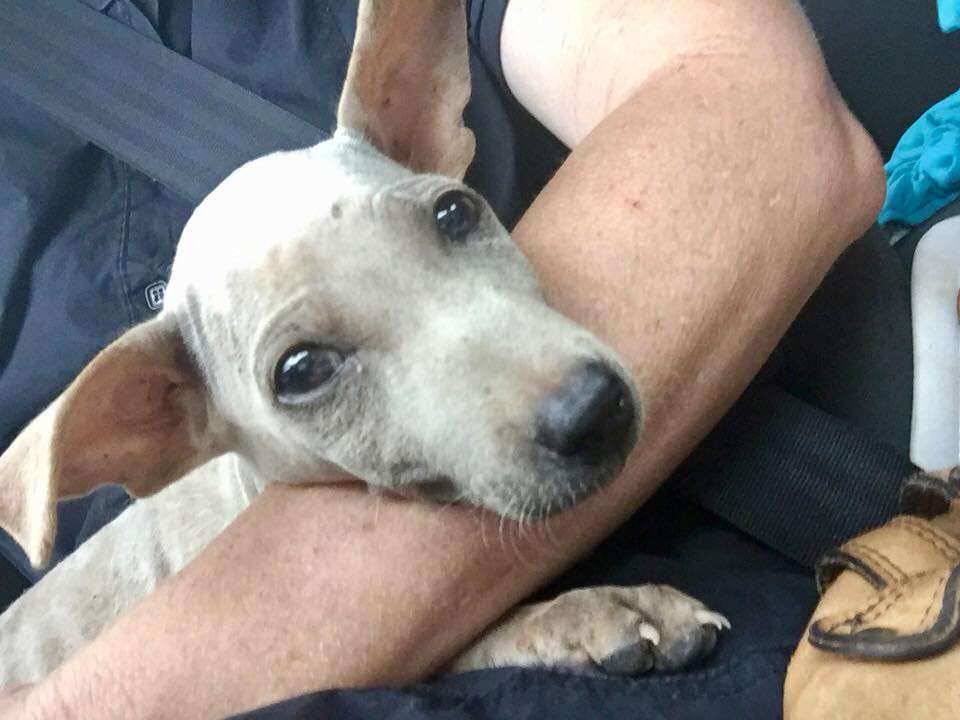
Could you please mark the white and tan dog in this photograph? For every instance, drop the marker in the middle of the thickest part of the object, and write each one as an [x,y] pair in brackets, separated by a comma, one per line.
[348,307]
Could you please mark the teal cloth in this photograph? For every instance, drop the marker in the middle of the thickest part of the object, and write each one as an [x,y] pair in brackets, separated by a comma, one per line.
[948,12]
[923,174]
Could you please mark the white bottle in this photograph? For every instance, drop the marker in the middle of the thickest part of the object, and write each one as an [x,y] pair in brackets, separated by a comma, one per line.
[935,435]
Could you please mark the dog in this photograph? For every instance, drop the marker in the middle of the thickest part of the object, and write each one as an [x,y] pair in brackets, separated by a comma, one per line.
[350,307]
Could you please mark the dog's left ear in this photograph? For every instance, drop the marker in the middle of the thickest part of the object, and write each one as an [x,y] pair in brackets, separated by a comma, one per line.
[408,83]
[137,416]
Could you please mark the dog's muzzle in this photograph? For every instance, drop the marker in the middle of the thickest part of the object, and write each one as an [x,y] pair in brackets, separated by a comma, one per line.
[583,430]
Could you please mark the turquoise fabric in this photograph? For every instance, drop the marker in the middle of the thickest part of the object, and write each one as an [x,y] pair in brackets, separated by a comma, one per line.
[923,174]
[949,14]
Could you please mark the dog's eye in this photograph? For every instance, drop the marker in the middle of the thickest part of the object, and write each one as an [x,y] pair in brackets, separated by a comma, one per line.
[303,370]
[456,215]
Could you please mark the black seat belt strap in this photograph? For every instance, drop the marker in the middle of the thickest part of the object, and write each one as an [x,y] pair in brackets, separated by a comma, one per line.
[794,477]
[165,115]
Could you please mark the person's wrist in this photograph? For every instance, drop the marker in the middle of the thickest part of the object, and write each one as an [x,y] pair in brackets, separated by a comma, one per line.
[13,702]
[43,701]
[33,702]
[65,696]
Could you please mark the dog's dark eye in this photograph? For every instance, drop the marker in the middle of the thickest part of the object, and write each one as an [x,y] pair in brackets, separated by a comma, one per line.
[456,215]
[303,370]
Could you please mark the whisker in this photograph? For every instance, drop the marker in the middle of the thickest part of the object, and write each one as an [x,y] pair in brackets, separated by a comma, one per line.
[503,519]
[521,527]
[483,527]
[538,519]
[517,536]
[548,528]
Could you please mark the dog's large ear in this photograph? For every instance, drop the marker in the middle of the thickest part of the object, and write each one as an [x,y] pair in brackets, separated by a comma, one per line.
[408,83]
[137,416]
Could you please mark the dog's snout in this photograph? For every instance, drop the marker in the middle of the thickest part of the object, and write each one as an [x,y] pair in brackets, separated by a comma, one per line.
[590,417]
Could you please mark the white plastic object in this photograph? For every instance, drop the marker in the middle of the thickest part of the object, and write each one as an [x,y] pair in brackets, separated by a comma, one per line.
[935,433]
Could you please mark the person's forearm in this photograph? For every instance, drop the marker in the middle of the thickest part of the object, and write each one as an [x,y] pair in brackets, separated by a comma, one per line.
[686,230]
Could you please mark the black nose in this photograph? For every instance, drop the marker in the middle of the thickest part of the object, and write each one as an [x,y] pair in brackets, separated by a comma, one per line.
[590,417]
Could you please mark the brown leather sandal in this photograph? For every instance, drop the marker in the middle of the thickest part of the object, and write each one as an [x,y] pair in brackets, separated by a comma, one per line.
[885,640]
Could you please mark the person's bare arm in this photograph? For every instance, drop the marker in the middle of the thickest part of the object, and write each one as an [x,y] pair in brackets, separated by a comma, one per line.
[716,175]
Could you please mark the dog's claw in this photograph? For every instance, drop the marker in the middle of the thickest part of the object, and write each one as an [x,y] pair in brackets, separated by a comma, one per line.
[649,632]
[708,617]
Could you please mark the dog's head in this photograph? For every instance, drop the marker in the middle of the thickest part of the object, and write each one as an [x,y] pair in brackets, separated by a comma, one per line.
[348,307]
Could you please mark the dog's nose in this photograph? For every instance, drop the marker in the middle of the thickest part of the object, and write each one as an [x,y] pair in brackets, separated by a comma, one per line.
[590,417]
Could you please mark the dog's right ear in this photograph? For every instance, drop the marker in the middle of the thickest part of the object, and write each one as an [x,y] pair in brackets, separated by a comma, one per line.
[408,83]
[137,416]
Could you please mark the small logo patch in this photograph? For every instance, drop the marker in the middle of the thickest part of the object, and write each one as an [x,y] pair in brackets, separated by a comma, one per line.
[155,293]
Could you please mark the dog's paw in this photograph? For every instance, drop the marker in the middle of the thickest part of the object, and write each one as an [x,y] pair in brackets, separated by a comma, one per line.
[603,630]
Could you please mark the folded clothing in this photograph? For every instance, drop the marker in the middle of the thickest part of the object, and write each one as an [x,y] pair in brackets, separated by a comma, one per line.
[949,14]
[923,175]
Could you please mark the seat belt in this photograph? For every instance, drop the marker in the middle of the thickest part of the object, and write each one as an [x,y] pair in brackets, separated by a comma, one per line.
[792,476]
[165,115]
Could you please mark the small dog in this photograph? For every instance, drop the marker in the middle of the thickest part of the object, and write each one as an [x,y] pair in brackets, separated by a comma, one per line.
[347,307]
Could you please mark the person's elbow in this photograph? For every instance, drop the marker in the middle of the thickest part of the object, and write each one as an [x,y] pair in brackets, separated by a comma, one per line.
[854,181]
[804,139]
[840,177]
[754,67]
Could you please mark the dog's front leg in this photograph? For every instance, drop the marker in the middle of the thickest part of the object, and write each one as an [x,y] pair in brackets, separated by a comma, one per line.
[601,630]
[113,570]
